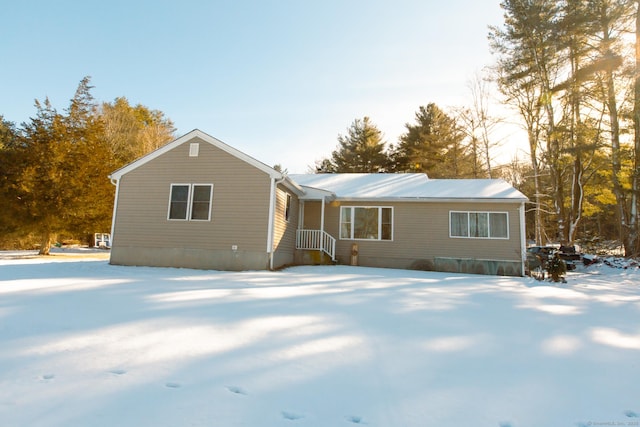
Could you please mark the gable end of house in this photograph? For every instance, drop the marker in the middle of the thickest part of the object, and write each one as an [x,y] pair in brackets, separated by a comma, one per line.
[190,137]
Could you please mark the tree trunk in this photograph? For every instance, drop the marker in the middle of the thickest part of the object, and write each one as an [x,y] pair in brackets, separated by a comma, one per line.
[45,243]
[577,197]
[553,160]
[633,217]
[622,212]
[618,191]
[577,143]
[540,235]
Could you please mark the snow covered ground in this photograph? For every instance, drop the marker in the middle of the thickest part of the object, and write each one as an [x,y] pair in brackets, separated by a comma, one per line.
[83,343]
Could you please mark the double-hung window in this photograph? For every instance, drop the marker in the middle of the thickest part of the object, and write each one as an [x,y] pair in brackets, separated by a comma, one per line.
[479,225]
[366,223]
[190,202]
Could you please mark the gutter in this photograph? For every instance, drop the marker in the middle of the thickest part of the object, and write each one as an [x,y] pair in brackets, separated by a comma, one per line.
[427,200]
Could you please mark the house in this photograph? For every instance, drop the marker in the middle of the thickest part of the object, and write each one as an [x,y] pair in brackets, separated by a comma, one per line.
[200,203]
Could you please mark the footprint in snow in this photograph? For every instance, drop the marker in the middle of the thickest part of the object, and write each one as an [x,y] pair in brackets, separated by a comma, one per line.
[291,416]
[236,390]
[48,377]
[355,419]
[631,414]
[173,385]
[118,372]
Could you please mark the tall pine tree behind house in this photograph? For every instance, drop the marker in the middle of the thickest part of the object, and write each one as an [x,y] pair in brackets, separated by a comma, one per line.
[361,150]
[434,145]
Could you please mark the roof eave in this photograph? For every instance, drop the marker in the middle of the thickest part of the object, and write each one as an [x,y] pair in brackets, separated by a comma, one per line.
[432,199]
[293,186]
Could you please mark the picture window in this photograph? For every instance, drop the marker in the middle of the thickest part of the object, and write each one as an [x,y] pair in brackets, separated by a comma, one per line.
[366,223]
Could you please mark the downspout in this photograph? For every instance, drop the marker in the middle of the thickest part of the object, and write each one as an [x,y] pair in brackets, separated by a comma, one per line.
[115,182]
[322,225]
[523,239]
[271,223]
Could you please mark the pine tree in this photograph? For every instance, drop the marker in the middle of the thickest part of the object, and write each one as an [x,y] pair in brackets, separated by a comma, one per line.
[56,167]
[43,197]
[60,181]
[610,15]
[528,63]
[8,143]
[91,161]
[361,150]
[564,59]
[433,145]
[557,268]
[7,133]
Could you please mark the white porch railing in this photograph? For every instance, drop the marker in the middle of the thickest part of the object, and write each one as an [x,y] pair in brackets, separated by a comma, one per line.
[317,240]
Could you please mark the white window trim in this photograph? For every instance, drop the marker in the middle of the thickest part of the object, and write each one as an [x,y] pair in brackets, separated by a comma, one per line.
[379,239]
[190,201]
[210,201]
[468,236]
[179,184]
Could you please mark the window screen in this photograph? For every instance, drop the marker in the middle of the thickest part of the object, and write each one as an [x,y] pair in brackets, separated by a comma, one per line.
[179,202]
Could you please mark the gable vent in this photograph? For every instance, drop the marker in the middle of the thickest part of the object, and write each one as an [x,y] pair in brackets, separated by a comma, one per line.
[194,149]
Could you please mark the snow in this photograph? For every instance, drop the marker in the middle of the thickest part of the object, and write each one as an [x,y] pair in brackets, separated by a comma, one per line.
[364,185]
[84,343]
[404,186]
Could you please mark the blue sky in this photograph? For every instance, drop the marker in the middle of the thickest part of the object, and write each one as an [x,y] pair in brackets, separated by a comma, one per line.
[278,80]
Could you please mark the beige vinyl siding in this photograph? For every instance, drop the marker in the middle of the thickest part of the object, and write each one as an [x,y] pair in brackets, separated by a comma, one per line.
[313,215]
[421,231]
[284,239]
[239,211]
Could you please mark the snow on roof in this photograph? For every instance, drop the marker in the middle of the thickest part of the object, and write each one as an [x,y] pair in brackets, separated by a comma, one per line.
[366,186]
